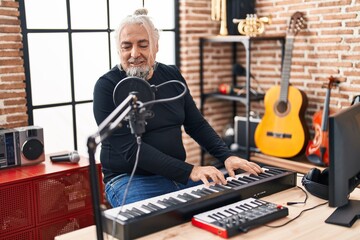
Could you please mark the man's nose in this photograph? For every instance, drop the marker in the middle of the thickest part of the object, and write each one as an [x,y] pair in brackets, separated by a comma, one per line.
[135,52]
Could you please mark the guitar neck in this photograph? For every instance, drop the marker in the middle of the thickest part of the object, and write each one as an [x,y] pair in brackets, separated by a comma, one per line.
[285,74]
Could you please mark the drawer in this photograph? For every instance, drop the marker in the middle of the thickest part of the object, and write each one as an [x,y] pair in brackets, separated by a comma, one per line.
[65,225]
[16,208]
[62,194]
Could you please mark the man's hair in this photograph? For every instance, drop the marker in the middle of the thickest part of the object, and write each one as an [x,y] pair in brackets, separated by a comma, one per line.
[139,17]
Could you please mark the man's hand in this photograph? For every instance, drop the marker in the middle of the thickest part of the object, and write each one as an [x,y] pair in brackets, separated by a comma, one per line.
[206,173]
[233,163]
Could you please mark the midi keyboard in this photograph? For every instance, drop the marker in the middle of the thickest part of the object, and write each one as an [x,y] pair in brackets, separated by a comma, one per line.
[230,220]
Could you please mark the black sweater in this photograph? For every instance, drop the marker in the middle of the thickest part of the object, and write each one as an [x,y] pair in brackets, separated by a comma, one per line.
[162,151]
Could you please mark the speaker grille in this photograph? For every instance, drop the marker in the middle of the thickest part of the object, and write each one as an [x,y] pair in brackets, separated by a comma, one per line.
[32,149]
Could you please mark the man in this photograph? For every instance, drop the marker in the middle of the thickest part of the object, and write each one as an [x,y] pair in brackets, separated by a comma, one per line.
[161,166]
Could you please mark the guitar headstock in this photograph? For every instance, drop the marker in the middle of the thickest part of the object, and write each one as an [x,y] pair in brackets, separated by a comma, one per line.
[333,82]
[297,22]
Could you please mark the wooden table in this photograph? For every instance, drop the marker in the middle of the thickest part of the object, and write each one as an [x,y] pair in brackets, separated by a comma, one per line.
[310,225]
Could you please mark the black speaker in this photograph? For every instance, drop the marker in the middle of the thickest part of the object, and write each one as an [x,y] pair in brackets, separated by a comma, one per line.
[30,140]
[237,9]
[316,183]
[240,134]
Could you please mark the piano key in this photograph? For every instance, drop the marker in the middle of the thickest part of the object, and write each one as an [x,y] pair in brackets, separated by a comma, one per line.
[164,203]
[219,187]
[273,171]
[186,196]
[245,180]
[147,207]
[239,181]
[250,179]
[134,209]
[155,206]
[199,193]
[126,215]
[232,184]
[132,213]
[206,190]
[259,176]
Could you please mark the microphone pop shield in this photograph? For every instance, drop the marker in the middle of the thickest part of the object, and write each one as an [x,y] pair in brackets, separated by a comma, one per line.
[133,84]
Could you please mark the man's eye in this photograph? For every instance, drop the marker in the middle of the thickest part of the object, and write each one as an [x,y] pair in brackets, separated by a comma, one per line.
[144,45]
[125,47]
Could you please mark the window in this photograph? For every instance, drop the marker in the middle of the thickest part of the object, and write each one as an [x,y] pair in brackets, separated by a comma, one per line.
[68,45]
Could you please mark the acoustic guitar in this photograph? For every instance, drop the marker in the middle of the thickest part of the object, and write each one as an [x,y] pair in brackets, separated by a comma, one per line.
[282,132]
[317,150]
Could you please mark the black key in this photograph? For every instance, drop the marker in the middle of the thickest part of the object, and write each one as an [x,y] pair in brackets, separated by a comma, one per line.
[246,179]
[274,172]
[124,214]
[265,175]
[255,176]
[154,206]
[218,187]
[207,190]
[186,196]
[198,193]
[147,207]
[164,203]
[175,201]
[137,210]
[250,178]
[232,184]
[239,181]
[135,214]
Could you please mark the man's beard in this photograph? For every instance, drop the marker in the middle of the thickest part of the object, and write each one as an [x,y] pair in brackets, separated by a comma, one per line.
[140,72]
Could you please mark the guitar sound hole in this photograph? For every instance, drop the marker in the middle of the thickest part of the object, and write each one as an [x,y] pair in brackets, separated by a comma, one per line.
[281,107]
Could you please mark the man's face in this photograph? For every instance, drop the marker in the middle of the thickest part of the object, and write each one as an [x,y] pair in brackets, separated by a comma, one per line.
[135,53]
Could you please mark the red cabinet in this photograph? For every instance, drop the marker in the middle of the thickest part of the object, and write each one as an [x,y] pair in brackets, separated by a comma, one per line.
[45,200]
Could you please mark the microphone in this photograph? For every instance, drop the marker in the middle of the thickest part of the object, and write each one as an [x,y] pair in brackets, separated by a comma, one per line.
[145,94]
[72,157]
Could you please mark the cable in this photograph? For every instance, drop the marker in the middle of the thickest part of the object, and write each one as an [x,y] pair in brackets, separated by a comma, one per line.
[138,140]
[166,99]
[306,198]
[293,203]
[308,209]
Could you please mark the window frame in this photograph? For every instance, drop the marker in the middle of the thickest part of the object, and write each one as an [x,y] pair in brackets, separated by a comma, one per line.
[73,103]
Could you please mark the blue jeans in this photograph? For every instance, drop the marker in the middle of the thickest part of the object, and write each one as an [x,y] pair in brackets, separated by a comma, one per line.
[141,187]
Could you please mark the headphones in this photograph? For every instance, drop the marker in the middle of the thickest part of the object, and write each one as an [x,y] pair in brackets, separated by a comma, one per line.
[316,183]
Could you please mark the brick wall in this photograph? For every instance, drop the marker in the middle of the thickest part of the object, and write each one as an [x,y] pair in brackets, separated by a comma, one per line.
[330,45]
[12,86]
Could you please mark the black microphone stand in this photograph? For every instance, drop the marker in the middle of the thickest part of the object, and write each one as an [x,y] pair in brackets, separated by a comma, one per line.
[106,128]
